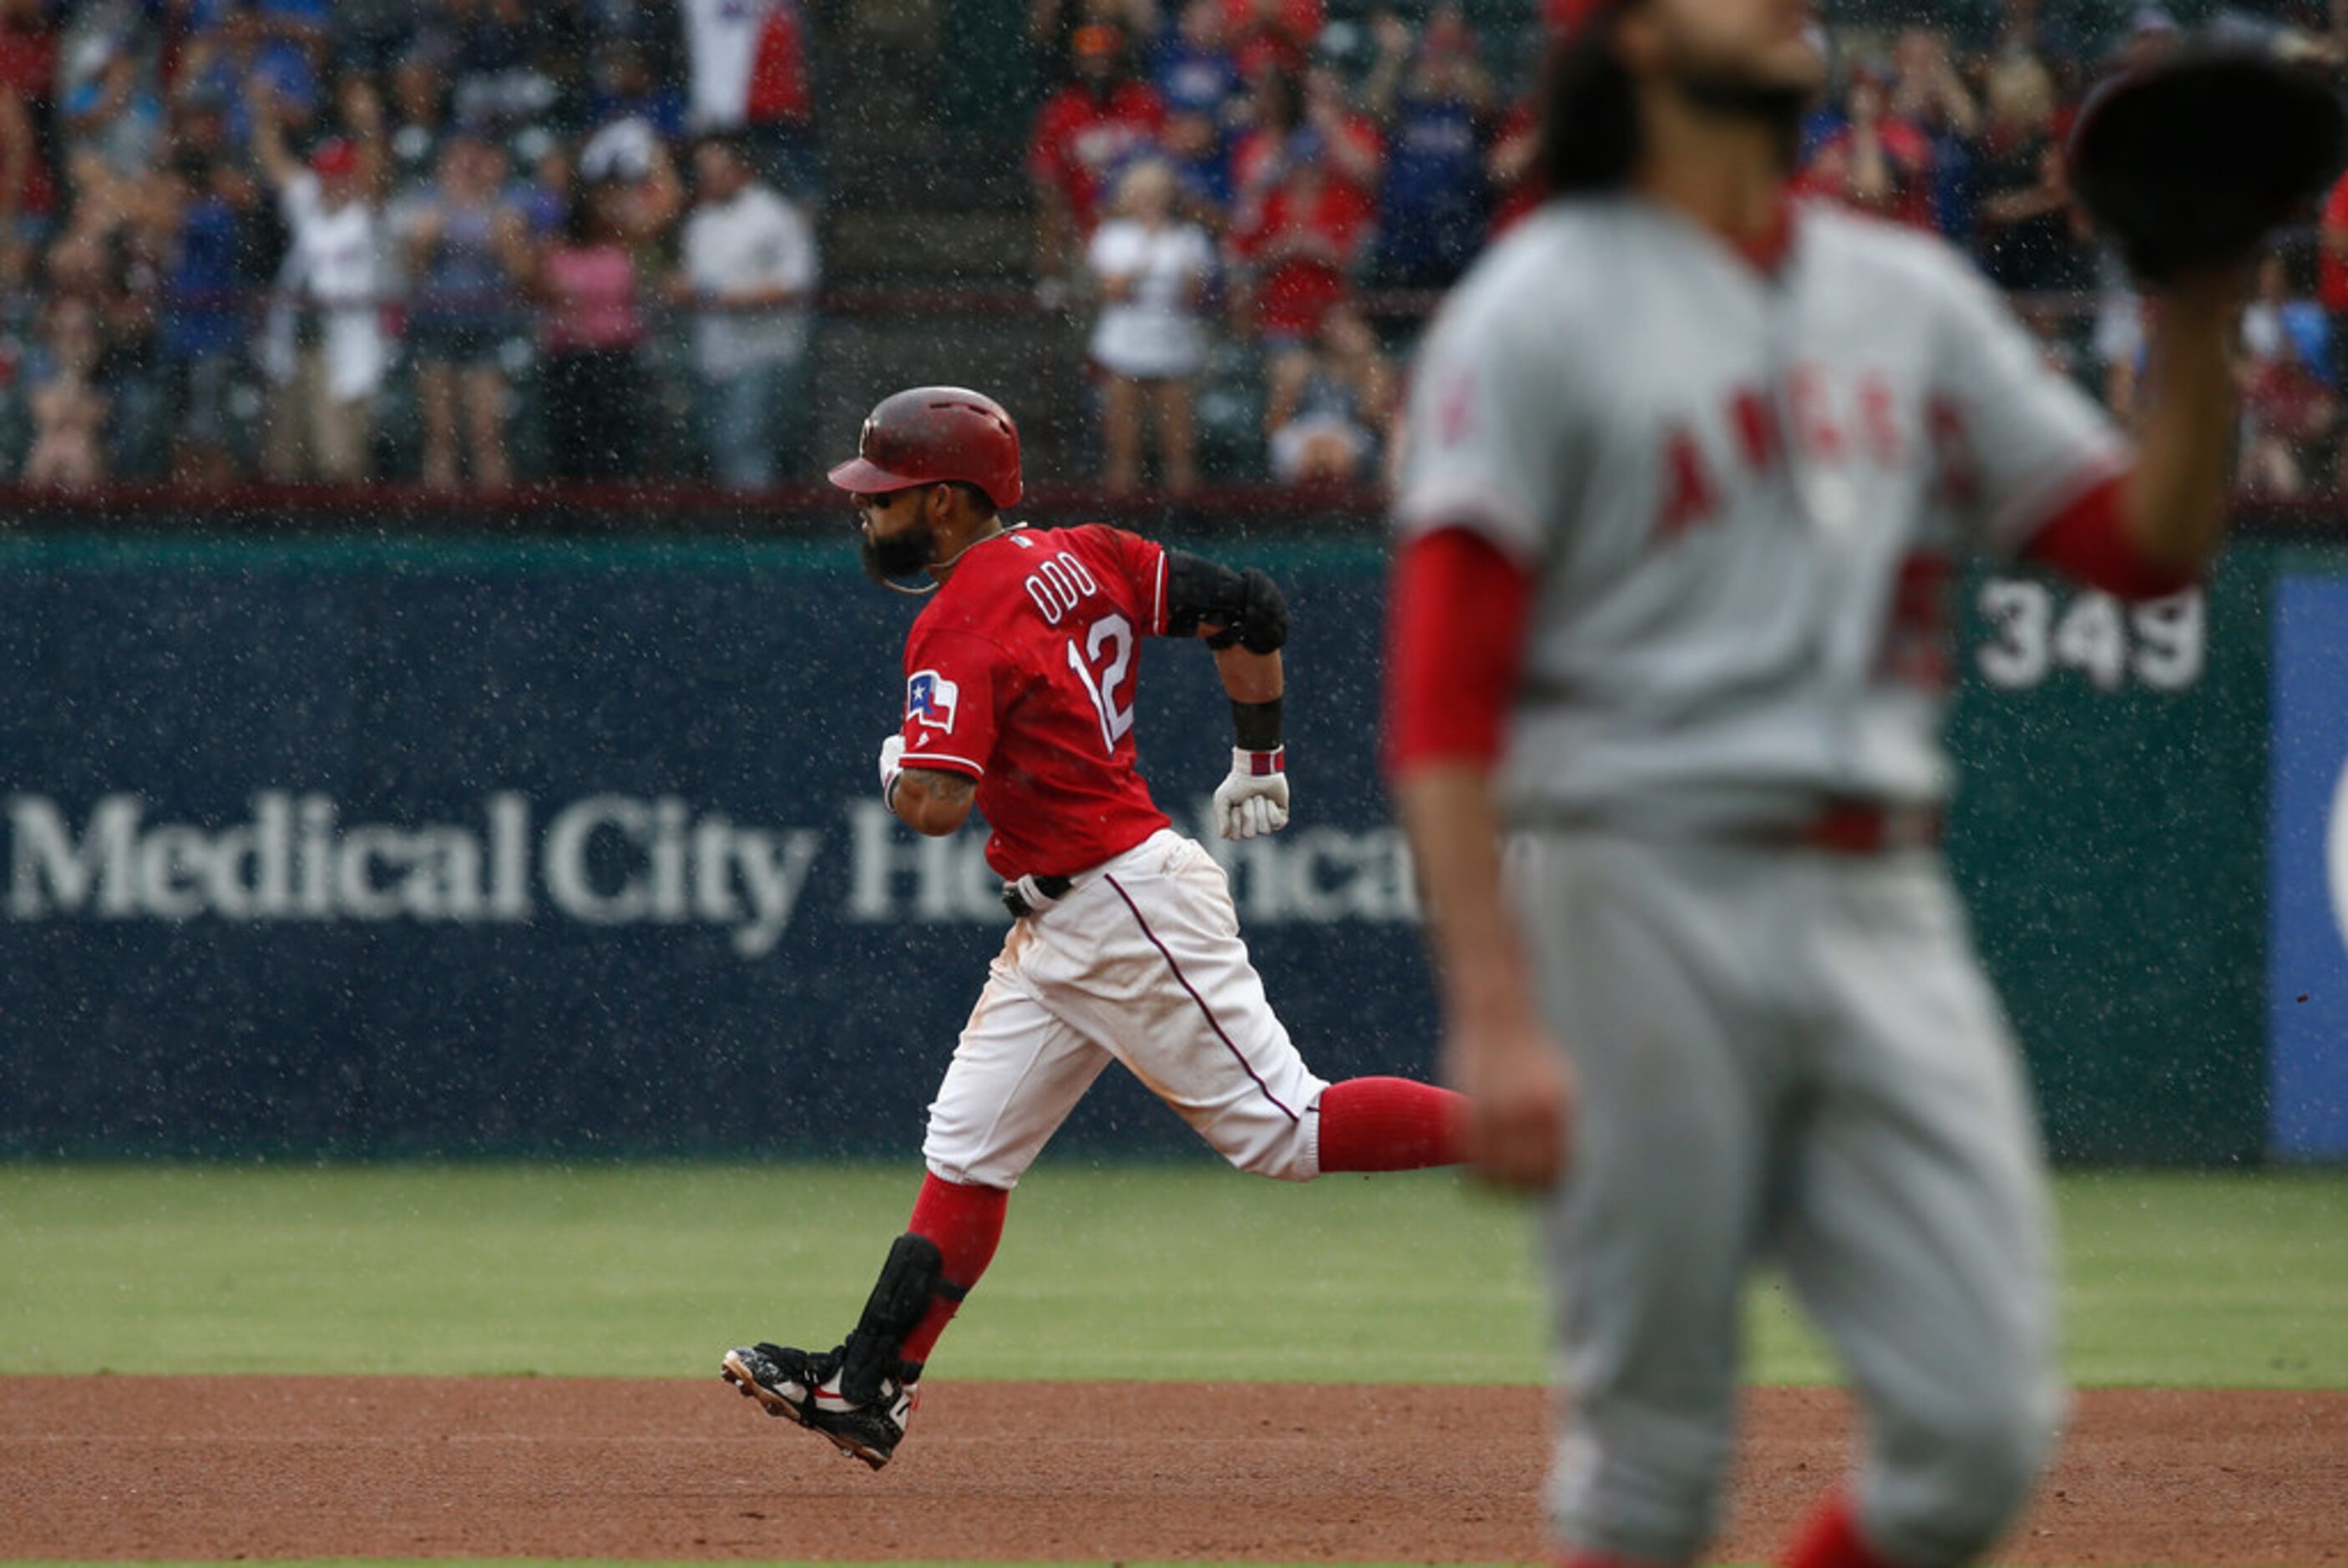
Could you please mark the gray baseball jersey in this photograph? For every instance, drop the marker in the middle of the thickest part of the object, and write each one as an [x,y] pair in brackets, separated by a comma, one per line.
[1742,492]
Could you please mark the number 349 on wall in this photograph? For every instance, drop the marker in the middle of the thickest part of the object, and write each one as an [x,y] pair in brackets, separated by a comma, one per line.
[2034,631]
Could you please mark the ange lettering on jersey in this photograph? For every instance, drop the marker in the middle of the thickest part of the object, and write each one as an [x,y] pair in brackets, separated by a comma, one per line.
[1825,418]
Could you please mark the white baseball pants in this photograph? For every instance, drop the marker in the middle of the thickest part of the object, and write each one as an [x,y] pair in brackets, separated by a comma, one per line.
[1141,963]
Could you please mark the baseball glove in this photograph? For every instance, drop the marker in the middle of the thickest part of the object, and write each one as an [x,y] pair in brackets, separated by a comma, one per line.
[2190,161]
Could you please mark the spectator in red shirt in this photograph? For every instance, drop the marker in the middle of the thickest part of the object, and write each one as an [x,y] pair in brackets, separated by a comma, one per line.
[28,76]
[779,112]
[1353,151]
[1302,249]
[1086,131]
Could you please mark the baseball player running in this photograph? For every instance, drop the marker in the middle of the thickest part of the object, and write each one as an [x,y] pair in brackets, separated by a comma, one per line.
[1684,467]
[1019,685]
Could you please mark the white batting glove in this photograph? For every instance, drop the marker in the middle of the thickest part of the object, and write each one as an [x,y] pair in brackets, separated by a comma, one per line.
[892,763]
[1253,801]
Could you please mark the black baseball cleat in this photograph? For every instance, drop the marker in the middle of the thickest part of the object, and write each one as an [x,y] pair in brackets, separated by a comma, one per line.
[806,1387]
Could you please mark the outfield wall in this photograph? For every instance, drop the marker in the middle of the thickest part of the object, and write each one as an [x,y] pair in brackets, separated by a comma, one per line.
[354,848]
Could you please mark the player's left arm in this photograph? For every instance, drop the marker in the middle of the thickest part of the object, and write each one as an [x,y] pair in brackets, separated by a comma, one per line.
[929,800]
[2056,483]
[1244,617]
[1456,643]
[2173,503]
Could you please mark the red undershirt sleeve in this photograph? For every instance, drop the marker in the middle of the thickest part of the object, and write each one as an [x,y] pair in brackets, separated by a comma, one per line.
[2088,543]
[1455,649]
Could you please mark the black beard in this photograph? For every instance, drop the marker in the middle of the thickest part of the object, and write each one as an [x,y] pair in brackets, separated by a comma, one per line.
[901,554]
[1771,104]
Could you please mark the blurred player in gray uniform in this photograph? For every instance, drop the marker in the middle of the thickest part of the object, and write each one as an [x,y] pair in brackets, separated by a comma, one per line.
[1684,471]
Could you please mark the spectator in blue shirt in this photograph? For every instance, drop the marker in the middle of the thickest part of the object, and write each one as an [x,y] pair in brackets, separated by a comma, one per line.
[206,315]
[1434,103]
[1196,146]
[624,87]
[1933,97]
[469,253]
[299,39]
[1193,65]
[113,121]
[222,60]
[500,82]
[543,193]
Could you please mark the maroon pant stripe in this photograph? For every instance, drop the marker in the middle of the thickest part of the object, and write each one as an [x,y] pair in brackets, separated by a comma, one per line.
[1183,981]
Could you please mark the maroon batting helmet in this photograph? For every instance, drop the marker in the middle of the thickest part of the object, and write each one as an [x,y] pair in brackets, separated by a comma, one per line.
[927,434]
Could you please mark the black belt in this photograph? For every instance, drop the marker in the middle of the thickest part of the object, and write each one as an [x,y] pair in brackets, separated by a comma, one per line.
[1051,889]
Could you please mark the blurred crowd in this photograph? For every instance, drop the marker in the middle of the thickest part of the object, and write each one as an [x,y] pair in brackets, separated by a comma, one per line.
[461,243]
[1256,170]
[320,239]
[1253,172]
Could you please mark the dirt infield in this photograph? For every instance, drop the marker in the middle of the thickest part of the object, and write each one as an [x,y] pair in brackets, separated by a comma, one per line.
[117,1467]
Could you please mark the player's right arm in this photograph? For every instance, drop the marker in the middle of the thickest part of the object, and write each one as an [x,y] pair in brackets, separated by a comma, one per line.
[1478,476]
[1453,653]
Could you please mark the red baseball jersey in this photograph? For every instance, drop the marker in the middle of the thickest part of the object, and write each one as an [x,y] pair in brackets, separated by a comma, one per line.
[1020,673]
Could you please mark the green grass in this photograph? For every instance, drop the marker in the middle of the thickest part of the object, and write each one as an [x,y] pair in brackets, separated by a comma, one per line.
[1179,1271]
[649,1271]
[2171,1280]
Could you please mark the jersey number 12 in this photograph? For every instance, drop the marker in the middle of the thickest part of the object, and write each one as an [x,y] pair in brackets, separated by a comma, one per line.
[1116,633]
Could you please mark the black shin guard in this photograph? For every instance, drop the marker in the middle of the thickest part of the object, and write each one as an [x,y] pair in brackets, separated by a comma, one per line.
[900,1299]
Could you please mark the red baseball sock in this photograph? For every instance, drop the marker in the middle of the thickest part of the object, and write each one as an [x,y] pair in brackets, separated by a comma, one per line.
[1391,1124]
[965,1221]
[1831,1540]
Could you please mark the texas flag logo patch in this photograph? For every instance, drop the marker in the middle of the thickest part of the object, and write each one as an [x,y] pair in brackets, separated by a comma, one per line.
[931,697]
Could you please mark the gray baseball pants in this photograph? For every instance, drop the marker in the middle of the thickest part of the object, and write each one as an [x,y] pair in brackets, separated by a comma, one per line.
[1787,1055]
